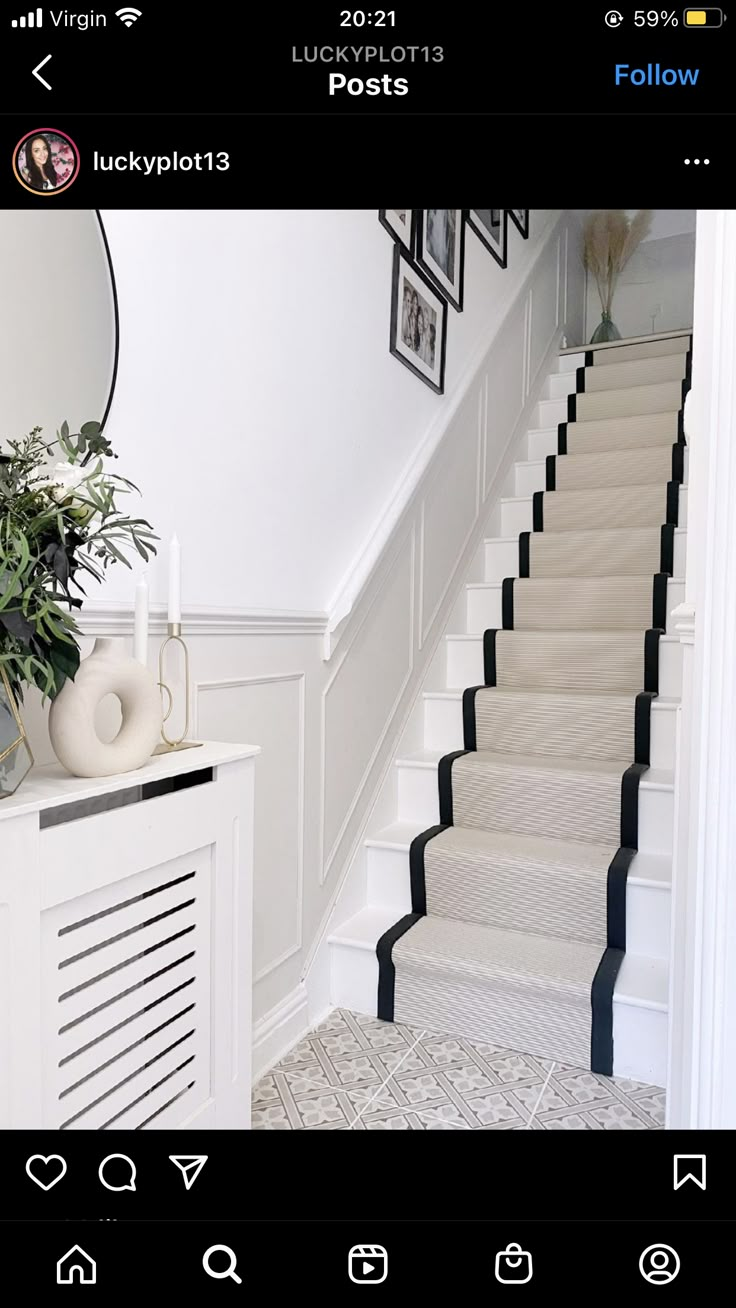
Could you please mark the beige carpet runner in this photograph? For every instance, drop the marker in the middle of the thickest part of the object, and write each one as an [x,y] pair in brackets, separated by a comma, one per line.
[518,926]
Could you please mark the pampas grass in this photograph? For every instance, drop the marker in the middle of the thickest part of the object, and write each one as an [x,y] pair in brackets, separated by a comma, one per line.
[610,239]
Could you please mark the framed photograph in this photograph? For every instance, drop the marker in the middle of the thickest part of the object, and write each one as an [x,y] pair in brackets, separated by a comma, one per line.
[491,225]
[440,250]
[400,223]
[520,218]
[418,323]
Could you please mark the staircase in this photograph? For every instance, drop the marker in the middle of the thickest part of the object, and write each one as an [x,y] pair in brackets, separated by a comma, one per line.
[522,894]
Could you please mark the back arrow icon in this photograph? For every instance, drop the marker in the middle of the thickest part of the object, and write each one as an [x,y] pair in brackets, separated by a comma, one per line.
[37,75]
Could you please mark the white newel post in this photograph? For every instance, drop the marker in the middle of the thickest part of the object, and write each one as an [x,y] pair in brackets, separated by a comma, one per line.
[702,1047]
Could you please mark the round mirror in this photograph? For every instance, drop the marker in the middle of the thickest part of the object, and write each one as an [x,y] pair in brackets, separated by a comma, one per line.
[58,321]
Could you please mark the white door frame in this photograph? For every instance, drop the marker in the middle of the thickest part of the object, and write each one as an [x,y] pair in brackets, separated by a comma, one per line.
[701,1089]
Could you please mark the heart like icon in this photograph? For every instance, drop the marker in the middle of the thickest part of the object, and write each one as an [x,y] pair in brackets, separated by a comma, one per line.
[47,1171]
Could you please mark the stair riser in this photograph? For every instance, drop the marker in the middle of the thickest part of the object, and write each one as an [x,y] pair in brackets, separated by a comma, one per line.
[639,1034]
[483,611]
[639,1043]
[568,362]
[516,514]
[418,802]
[465,665]
[541,441]
[443,730]
[647,909]
[549,412]
[559,385]
[502,558]
[531,476]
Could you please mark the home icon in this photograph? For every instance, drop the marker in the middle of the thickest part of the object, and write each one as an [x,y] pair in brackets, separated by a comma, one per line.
[76,1266]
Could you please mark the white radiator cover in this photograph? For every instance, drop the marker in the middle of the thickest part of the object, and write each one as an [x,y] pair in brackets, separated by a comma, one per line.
[126,948]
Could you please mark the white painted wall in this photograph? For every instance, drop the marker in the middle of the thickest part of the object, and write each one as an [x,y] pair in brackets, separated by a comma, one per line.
[56,321]
[659,276]
[257,404]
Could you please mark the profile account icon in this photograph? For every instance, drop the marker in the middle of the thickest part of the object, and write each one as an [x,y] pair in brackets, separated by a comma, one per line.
[46,161]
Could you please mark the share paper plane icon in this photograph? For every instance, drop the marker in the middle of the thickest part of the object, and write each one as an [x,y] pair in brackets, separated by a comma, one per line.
[190,1165]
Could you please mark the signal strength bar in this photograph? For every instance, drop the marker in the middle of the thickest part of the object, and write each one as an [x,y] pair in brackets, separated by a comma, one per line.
[33,20]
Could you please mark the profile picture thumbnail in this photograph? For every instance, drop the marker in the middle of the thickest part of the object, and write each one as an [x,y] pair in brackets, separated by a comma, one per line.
[46,162]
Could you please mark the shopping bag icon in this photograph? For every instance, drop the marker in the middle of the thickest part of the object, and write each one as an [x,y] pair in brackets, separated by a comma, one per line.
[513,1265]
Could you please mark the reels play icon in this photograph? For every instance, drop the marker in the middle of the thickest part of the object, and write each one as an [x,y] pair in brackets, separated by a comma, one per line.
[367,1264]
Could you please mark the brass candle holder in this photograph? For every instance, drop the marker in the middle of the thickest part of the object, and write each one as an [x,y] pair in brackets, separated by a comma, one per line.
[167,745]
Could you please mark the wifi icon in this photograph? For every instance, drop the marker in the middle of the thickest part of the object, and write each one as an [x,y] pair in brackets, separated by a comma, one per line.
[128,15]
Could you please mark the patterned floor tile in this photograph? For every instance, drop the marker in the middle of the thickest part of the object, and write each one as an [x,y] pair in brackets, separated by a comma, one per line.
[369,1100]
[653,1105]
[421,1087]
[354,1072]
[405,1060]
[442,1117]
[583,1087]
[499,1106]
[568,1122]
[321,1110]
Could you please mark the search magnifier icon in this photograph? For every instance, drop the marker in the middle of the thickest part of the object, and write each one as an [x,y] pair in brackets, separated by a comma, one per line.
[228,1271]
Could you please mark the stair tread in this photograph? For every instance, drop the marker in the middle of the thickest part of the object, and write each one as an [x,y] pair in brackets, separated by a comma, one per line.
[665,703]
[398,835]
[644,868]
[488,953]
[512,540]
[557,763]
[642,980]
[652,778]
[585,454]
[591,581]
[364,928]
[666,637]
[583,490]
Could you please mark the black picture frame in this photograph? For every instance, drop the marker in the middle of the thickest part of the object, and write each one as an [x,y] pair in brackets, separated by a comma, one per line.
[450,288]
[406,239]
[483,228]
[411,355]
[520,219]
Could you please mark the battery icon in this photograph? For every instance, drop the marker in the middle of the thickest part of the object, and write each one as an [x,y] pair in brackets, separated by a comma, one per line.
[703,18]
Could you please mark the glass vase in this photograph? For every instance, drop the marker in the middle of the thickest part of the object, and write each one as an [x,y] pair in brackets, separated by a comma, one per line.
[605,331]
[16,759]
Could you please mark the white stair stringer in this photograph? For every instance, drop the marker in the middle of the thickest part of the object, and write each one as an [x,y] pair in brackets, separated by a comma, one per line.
[410,800]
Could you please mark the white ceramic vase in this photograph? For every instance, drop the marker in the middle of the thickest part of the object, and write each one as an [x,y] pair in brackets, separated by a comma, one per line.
[108,670]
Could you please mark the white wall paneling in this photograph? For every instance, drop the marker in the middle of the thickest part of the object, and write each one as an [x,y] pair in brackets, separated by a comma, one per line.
[545,318]
[362,694]
[269,709]
[448,511]
[506,371]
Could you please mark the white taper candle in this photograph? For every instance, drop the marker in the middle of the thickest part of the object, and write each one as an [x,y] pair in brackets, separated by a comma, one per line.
[174,580]
[140,637]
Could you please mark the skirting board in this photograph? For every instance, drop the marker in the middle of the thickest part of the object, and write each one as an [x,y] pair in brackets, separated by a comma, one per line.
[279,1030]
